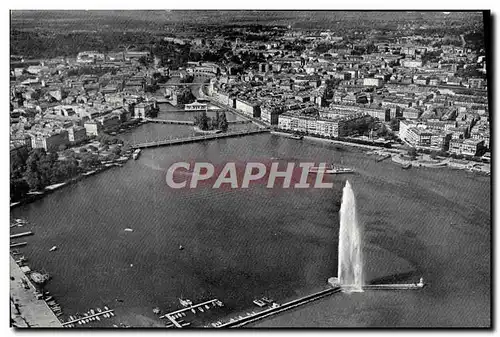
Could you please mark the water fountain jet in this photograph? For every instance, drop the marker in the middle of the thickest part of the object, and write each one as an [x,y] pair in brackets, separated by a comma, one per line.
[350,274]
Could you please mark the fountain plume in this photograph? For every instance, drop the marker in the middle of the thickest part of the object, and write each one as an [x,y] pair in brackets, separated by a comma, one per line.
[350,259]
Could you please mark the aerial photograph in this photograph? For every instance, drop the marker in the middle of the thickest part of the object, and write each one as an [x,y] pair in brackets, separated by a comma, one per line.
[254,169]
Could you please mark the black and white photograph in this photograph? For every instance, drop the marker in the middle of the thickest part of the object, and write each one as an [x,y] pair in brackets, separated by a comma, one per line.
[253,169]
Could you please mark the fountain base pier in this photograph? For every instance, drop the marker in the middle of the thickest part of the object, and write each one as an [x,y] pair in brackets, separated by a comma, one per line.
[334,282]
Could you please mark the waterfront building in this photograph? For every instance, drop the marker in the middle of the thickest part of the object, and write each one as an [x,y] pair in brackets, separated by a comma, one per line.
[469,147]
[270,114]
[334,126]
[249,108]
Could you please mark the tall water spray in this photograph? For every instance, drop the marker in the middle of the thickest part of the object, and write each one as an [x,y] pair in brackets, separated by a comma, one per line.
[350,272]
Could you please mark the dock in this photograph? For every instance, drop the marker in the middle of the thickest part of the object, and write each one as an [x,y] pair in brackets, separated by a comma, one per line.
[170,315]
[87,317]
[275,309]
[409,286]
[18,244]
[13,236]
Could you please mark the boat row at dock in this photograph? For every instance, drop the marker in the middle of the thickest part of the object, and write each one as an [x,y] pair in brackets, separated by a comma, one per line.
[88,317]
[176,318]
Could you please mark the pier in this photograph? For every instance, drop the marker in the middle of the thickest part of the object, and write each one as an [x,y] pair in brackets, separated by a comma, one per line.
[13,236]
[19,244]
[170,315]
[410,286]
[236,323]
[168,142]
[88,317]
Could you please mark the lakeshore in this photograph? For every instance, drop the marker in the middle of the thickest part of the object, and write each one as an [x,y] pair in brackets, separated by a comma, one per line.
[296,233]
[26,310]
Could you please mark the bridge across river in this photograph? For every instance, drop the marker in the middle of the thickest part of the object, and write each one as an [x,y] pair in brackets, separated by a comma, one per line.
[202,138]
[170,121]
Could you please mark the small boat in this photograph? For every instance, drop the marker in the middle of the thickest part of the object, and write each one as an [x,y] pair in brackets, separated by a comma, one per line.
[136,154]
[53,249]
[331,169]
[129,230]
[296,136]
[180,247]
[99,310]
[383,158]
[267,300]
[259,303]
[185,303]
[193,311]
[92,311]
[111,313]
[97,317]
[106,308]
[201,309]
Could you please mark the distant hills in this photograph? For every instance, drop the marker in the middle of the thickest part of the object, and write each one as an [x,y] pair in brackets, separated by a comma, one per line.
[156,19]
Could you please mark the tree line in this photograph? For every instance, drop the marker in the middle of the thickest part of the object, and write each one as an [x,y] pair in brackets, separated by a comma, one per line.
[38,169]
[219,122]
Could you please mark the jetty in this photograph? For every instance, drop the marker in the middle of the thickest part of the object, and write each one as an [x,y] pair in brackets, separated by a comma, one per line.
[193,139]
[18,244]
[275,309]
[171,315]
[410,286]
[79,319]
[13,236]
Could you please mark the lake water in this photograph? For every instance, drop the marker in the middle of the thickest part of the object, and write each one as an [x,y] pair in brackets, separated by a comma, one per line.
[246,243]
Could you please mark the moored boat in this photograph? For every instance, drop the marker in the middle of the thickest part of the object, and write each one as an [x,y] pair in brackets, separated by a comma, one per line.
[297,136]
[136,154]
[330,169]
